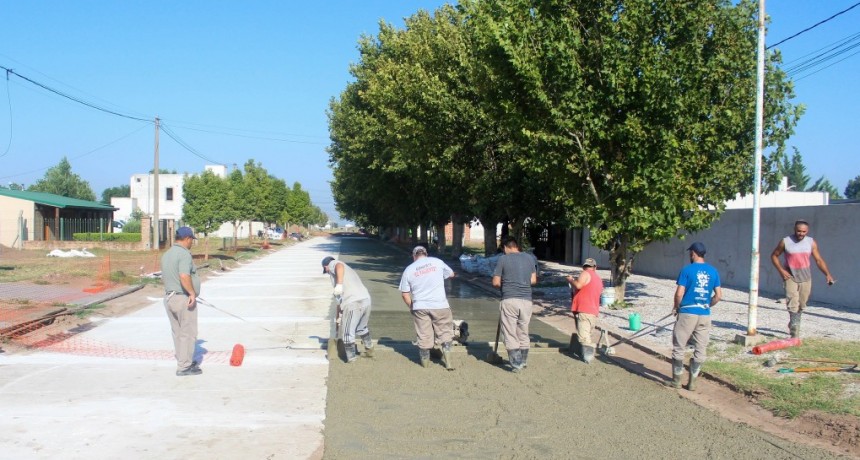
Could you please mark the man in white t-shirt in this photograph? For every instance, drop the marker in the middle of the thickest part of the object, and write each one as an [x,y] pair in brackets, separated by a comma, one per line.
[423,289]
[353,307]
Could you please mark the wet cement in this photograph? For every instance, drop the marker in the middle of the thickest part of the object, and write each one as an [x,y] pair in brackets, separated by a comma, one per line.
[391,407]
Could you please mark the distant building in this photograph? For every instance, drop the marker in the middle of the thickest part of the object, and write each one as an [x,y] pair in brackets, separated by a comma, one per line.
[39,216]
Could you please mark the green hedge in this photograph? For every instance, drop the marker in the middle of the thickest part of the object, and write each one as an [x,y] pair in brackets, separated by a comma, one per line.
[122,237]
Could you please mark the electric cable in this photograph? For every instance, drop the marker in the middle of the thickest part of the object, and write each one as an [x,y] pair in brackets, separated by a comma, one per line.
[78,156]
[185,145]
[814,26]
[9,101]
[72,98]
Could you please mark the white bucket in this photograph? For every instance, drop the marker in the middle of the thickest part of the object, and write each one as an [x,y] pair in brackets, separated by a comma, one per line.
[607,297]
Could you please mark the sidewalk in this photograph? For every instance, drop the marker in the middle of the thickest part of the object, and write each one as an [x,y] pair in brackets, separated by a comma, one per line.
[111,391]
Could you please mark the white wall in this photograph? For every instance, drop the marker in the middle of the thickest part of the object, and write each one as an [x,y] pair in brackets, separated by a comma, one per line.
[729,243]
[142,190]
[125,207]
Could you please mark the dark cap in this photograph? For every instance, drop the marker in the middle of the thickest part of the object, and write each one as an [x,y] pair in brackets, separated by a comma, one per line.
[698,247]
[326,261]
[589,262]
[184,232]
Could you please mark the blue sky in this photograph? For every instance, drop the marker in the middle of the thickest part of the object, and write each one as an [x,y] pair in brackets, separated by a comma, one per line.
[240,80]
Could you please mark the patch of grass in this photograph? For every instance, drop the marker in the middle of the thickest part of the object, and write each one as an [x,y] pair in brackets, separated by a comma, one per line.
[41,282]
[89,310]
[620,305]
[792,394]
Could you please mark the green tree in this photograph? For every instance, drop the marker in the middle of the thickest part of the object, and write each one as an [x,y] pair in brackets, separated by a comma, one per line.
[205,204]
[852,190]
[824,185]
[639,114]
[60,180]
[795,171]
[118,191]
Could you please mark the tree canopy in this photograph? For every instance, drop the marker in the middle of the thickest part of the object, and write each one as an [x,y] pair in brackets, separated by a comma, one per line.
[631,118]
[118,191]
[60,180]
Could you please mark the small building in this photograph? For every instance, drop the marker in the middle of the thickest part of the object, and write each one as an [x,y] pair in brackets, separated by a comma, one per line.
[39,216]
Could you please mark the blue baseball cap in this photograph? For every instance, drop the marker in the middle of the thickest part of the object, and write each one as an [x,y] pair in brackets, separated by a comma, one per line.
[184,232]
[698,247]
[326,261]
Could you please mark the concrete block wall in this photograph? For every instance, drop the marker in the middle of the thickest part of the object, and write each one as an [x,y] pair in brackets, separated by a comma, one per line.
[729,243]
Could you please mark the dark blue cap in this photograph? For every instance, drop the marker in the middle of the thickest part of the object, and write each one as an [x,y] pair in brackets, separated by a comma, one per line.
[184,232]
[326,261]
[698,247]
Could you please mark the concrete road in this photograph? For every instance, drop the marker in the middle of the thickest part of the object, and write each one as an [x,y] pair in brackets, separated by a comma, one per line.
[391,407]
[111,391]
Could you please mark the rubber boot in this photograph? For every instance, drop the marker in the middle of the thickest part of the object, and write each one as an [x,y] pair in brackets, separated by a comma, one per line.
[368,345]
[351,352]
[587,354]
[424,354]
[515,357]
[794,324]
[677,373]
[695,367]
[446,356]
[524,354]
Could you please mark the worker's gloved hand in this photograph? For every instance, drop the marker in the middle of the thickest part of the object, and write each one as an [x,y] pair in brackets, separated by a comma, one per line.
[338,290]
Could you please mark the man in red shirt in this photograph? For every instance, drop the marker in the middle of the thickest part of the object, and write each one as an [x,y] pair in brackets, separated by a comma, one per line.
[586,305]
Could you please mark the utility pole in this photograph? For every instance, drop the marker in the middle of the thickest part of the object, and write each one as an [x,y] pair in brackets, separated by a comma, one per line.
[751,337]
[155,220]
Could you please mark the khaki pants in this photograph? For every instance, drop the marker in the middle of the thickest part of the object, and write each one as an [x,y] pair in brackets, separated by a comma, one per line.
[585,324]
[691,327]
[796,294]
[515,317]
[432,326]
[183,324]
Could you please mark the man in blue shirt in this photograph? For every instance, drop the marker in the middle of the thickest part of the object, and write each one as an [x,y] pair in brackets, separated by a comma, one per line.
[698,290]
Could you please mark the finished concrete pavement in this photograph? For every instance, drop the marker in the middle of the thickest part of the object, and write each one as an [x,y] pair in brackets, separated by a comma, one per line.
[111,391]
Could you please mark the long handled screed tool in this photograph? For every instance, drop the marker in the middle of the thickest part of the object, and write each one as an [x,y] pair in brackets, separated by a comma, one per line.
[610,350]
[787,370]
[204,302]
[493,356]
[333,329]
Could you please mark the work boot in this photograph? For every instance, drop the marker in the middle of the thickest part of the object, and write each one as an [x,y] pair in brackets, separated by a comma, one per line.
[351,352]
[368,345]
[446,356]
[695,367]
[587,354]
[794,324]
[515,357]
[524,353]
[677,373]
[424,354]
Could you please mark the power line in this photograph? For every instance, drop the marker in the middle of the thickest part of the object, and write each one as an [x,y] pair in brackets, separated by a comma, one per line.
[9,100]
[79,156]
[185,145]
[814,26]
[823,55]
[72,98]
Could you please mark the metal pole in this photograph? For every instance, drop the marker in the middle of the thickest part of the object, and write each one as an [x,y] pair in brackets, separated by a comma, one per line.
[155,221]
[759,121]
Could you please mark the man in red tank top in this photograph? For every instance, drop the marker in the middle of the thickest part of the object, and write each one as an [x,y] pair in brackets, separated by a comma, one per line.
[586,305]
[796,272]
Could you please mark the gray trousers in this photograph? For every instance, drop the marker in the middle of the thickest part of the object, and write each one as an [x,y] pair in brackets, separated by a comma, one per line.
[354,320]
[516,315]
[431,325]
[183,325]
[691,327]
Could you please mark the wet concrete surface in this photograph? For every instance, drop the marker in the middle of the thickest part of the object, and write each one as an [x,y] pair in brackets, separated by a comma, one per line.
[390,407]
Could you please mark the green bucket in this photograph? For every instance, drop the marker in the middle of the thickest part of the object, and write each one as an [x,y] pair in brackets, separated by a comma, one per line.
[635,322]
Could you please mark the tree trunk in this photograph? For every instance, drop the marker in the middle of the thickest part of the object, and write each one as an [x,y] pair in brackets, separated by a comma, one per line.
[414,233]
[440,238]
[205,246]
[490,243]
[517,229]
[235,235]
[457,235]
[620,266]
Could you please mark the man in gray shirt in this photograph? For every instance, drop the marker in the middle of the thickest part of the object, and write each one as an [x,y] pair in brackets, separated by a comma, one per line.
[181,288]
[515,275]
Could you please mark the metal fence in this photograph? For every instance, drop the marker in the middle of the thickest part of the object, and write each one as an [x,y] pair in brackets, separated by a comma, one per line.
[67,227]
